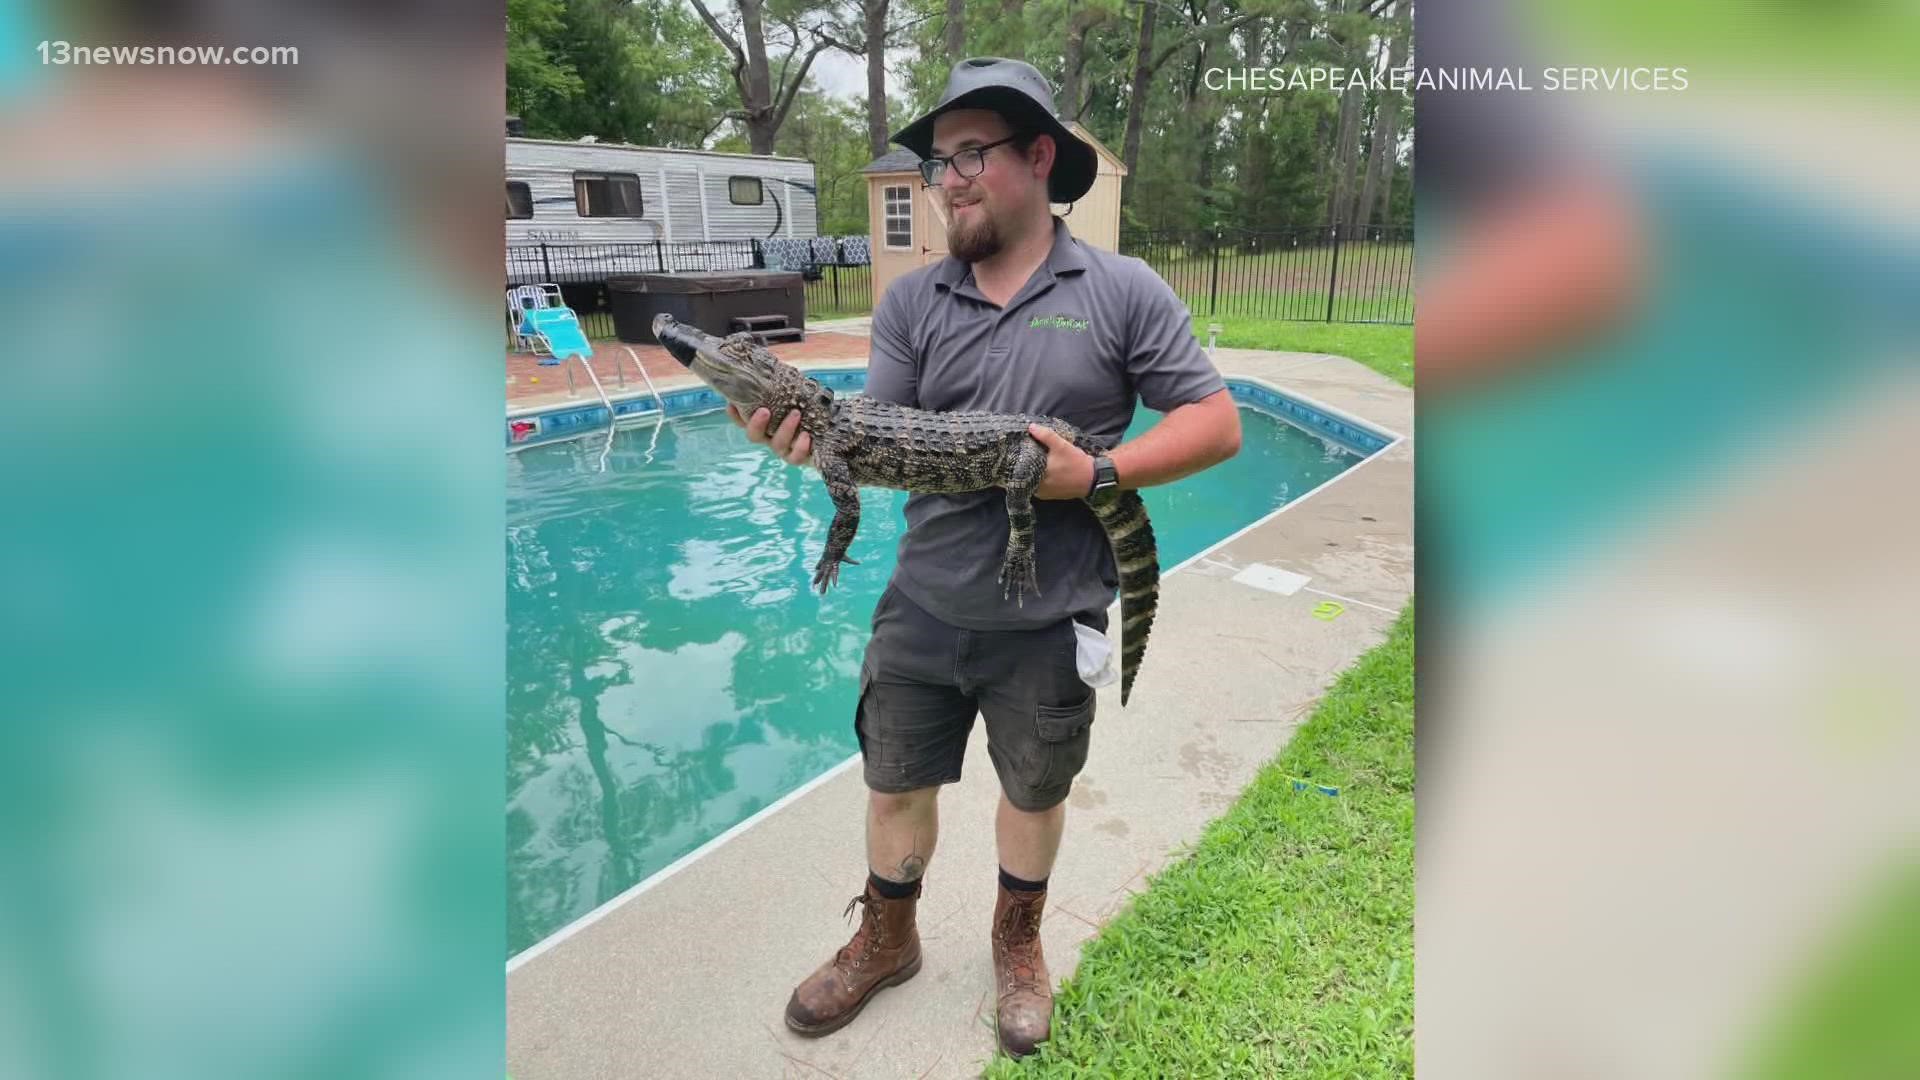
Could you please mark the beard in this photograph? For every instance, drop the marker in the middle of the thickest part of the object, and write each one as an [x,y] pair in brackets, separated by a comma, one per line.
[973,243]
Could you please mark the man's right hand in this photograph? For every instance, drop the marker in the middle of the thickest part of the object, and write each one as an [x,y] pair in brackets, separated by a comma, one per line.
[792,445]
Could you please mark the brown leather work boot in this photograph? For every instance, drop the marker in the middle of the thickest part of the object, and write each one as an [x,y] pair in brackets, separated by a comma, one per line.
[1025,1015]
[884,952]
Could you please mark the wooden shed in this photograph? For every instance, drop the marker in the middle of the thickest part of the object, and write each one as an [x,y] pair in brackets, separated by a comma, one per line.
[908,232]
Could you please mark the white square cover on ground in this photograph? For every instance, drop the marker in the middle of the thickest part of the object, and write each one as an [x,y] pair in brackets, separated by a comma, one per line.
[1272,579]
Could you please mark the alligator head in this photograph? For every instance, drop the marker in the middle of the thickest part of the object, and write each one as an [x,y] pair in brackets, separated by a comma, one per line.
[746,373]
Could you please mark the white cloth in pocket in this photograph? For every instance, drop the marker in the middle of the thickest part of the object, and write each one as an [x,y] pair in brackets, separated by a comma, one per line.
[1093,652]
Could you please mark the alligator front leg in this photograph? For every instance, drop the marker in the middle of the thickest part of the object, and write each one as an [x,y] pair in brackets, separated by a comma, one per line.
[1028,465]
[846,516]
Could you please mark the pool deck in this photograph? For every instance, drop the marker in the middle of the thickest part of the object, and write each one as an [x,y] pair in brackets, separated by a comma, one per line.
[687,974]
[529,384]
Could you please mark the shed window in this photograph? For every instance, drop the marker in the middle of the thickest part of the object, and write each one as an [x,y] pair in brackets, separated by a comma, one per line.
[897,213]
[745,190]
[519,200]
[610,194]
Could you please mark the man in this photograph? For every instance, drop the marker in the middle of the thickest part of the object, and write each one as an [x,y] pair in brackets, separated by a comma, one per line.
[1020,318]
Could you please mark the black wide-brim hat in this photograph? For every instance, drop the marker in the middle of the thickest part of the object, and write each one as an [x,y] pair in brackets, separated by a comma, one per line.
[1017,91]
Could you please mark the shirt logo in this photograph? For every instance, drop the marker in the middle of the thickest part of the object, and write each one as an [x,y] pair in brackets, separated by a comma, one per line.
[1058,322]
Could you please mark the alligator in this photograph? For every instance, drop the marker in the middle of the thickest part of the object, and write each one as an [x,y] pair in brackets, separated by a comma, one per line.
[859,440]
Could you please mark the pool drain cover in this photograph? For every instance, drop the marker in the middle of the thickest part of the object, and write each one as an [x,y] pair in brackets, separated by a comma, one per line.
[1272,579]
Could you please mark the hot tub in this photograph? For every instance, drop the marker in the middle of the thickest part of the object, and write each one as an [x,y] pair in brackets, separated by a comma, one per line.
[709,300]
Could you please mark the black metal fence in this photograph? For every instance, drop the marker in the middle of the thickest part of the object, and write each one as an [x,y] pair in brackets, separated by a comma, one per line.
[840,290]
[838,279]
[1326,274]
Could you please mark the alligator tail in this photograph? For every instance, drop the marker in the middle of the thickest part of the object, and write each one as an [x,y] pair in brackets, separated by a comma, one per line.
[1123,514]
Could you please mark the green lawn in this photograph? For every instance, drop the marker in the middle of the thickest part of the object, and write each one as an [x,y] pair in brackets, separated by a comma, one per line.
[1387,305]
[1282,945]
[1386,349]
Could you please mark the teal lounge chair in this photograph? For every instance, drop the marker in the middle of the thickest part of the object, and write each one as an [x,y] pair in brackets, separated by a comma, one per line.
[556,333]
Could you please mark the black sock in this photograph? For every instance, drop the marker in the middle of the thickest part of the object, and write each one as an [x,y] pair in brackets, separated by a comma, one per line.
[892,890]
[1015,884]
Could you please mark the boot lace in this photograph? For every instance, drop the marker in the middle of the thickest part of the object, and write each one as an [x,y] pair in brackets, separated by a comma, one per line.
[1019,934]
[869,937]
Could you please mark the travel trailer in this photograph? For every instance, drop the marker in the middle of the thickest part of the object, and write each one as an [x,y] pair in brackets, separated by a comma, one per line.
[707,205]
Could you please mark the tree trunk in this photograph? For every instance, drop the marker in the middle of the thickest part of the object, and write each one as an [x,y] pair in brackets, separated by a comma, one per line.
[1013,29]
[757,93]
[1137,101]
[1384,197]
[1370,164]
[1255,34]
[1074,61]
[1346,135]
[876,12]
[1346,140]
[956,31]
[759,107]
[1385,146]
[1205,111]
[1386,192]
[1254,148]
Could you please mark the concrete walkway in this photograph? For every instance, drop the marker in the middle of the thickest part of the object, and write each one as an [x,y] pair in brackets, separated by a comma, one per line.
[860,325]
[688,976]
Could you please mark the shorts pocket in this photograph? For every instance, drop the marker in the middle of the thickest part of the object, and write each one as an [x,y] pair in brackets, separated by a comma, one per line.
[1061,751]
[1059,723]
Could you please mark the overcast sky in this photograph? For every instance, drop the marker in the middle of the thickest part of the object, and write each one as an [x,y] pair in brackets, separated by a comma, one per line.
[846,76]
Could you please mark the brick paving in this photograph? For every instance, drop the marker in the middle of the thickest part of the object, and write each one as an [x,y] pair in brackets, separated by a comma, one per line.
[530,384]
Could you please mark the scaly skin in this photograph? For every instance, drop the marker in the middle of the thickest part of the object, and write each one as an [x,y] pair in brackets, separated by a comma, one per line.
[859,440]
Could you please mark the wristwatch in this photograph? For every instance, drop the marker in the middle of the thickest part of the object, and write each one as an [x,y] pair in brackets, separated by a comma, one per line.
[1104,475]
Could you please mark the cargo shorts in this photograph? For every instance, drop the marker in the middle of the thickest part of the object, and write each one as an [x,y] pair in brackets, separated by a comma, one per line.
[923,682]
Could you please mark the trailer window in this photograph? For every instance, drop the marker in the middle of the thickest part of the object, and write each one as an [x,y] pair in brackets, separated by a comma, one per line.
[745,190]
[611,194]
[897,206]
[519,200]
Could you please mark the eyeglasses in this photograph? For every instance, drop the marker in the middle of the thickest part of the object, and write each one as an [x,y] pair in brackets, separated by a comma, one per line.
[971,162]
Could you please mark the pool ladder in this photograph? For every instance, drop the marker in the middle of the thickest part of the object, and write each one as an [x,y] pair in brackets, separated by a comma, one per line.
[613,422]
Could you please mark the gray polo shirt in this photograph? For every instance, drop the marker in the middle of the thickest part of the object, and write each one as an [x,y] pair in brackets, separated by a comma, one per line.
[1085,338]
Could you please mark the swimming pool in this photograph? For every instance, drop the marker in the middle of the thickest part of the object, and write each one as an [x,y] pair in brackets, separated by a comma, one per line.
[669,672]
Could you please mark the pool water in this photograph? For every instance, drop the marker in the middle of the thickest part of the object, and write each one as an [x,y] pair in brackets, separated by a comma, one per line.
[669,671]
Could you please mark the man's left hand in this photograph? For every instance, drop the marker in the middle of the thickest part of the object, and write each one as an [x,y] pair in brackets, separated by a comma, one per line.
[1069,472]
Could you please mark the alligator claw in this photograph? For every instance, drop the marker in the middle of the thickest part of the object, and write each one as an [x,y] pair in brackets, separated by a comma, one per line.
[826,573]
[1017,578]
